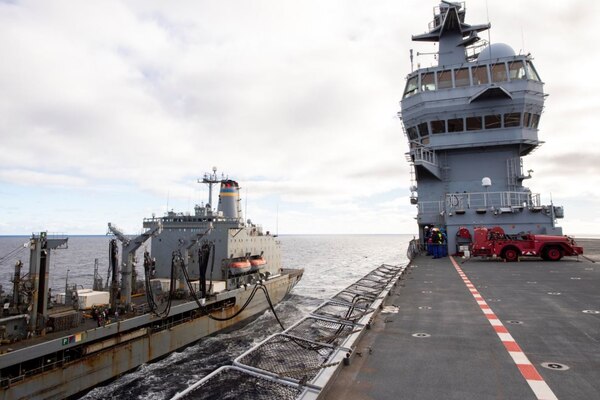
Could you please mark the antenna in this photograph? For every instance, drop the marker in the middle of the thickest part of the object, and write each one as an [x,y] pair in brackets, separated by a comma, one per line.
[168,194]
[522,39]
[487,10]
[411,60]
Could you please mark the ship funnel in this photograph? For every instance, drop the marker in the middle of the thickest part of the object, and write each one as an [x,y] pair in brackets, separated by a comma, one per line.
[229,197]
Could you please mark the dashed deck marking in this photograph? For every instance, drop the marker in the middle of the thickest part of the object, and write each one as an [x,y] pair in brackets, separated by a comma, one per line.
[540,388]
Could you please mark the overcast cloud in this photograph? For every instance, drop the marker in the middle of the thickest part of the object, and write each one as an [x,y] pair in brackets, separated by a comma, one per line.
[110,111]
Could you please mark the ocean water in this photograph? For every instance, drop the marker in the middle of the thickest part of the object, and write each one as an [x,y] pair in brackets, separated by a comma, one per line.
[331,262]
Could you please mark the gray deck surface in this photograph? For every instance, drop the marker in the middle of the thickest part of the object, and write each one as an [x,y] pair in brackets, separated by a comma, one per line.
[464,357]
[86,324]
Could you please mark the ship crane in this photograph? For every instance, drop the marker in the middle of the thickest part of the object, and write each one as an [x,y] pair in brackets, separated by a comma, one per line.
[39,273]
[129,247]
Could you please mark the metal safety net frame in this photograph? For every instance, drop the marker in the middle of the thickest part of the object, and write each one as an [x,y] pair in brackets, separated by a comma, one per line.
[288,356]
[368,287]
[234,383]
[342,311]
[323,330]
[298,363]
[355,297]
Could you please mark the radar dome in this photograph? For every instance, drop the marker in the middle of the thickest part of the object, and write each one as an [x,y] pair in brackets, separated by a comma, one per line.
[496,50]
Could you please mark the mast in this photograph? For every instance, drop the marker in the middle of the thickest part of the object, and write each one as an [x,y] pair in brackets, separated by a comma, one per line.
[210,180]
[453,34]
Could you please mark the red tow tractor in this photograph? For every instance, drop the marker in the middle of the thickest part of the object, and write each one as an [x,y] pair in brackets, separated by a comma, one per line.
[493,242]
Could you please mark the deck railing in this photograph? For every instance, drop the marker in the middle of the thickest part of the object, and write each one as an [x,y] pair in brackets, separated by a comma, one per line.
[422,154]
[480,200]
[464,201]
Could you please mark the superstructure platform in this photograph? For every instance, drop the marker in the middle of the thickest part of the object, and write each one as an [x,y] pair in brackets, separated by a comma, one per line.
[483,330]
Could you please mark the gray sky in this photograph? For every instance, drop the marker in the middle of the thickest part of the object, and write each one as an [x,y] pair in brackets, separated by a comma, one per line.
[110,111]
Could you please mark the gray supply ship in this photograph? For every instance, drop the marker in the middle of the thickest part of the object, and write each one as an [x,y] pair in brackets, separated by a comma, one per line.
[469,121]
[205,272]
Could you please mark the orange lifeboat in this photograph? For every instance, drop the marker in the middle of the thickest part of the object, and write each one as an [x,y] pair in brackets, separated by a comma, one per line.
[237,267]
[257,262]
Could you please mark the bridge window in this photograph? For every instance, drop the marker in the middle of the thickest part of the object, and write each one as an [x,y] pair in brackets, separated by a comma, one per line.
[499,72]
[423,129]
[516,70]
[427,82]
[444,79]
[456,125]
[411,86]
[438,126]
[526,119]
[533,75]
[480,75]
[512,119]
[493,121]
[474,123]
[461,77]
[412,133]
[535,120]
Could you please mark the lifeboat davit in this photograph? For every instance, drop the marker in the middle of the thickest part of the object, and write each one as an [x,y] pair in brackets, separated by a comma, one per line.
[237,267]
[257,262]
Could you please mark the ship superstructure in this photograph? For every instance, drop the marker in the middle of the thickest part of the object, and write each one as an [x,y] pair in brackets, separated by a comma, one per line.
[238,243]
[469,122]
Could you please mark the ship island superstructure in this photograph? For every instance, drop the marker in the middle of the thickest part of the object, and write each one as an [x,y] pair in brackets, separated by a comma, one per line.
[238,243]
[204,273]
[509,330]
[469,122]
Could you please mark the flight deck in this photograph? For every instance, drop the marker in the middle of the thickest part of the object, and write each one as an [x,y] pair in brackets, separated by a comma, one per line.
[457,329]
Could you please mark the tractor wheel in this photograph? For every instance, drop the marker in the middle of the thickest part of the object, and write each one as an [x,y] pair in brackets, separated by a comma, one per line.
[511,254]
[553,253]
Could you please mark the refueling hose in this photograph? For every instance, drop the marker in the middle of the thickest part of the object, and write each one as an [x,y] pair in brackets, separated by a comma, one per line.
[258,285]
[178,260]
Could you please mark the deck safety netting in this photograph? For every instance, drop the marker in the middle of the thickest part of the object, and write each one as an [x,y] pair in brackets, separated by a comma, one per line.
[233,384]
[320,330]
[386,269]
[359,299]
[301,352]
[289,356]
[364,290]
[372,283]
[340,311]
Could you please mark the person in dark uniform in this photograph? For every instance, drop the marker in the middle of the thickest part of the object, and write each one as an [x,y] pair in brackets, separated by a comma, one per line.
[427,239]
[436,240]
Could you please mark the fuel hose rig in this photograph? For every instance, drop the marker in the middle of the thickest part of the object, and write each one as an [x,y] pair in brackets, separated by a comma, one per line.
[179,277]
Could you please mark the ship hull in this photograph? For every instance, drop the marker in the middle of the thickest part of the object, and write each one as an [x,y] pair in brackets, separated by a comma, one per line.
[119,354]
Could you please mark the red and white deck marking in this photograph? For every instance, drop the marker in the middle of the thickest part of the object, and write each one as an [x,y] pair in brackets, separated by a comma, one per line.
[534,379]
